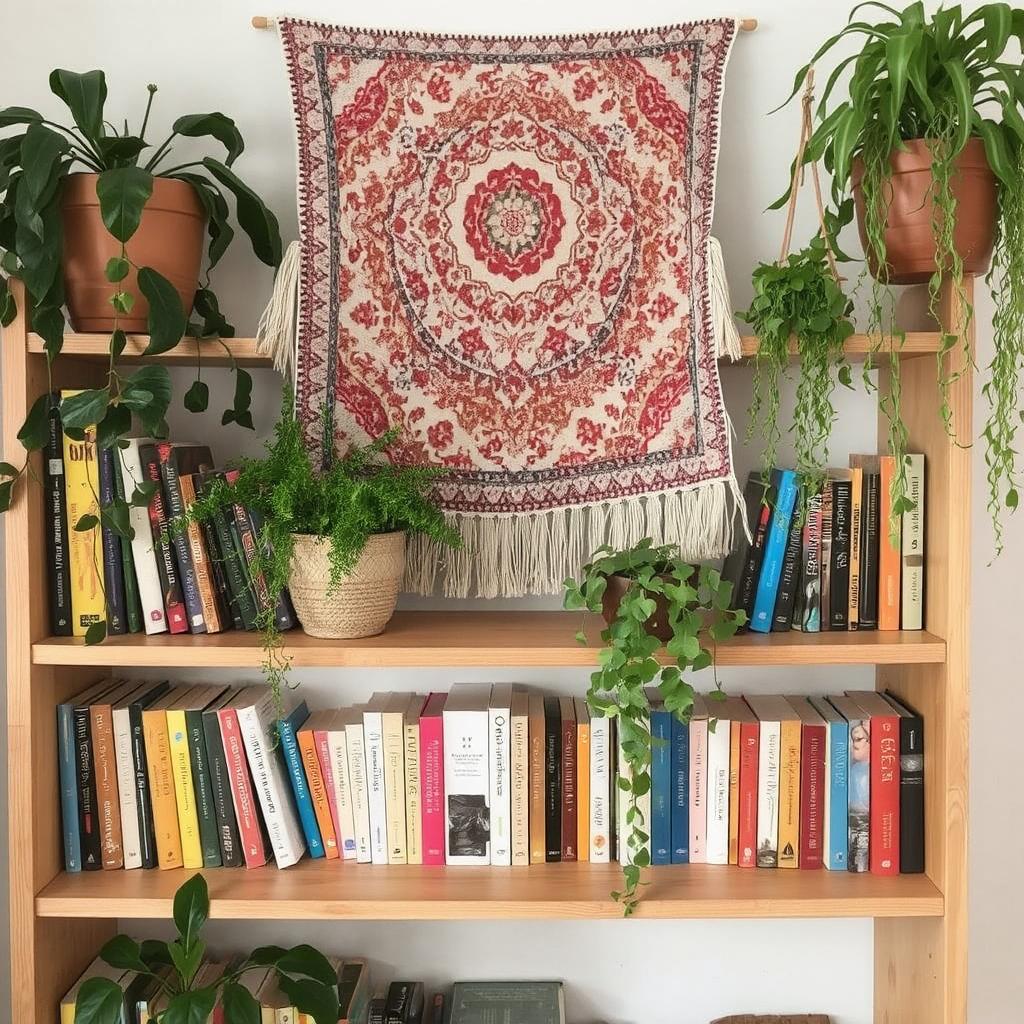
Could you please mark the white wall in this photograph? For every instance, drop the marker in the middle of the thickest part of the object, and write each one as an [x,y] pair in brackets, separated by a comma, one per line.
[203,55]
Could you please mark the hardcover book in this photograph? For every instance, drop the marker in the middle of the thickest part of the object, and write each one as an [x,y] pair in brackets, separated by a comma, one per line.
[432,755]
[750,734]
[552,779]
[357,772]
[160,769]
[679,795]
[467,774]
[890,544]
[520,775]
[538,789]
[602,788]
[807,613]
[869,539]
[341,782]
[856,521]
[113,564]
[784,488]
[813,783]
[132,601]
[287,730]
[825,562]
[858,745]
[661,781]
[393,733]
[789,580]
[373,747]
[413,780]
[567,713]
[742,566]
[499,731]
[167,566]
[911,786]
[143,795]
[316,778]
[698,781]
[582,779]
[839,600]
[202,560]
[834,838]
[719,743]
[57,524]
[770,712]
[912,569]
[220,784]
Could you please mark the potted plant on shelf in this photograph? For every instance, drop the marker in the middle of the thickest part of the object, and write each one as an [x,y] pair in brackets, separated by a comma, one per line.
[183,994]
[649,597]
[929,141]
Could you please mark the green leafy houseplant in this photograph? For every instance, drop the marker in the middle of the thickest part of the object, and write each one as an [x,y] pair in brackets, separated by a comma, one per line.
[34,168]
[946,80]
[346,503]
[303,974]
[655,597]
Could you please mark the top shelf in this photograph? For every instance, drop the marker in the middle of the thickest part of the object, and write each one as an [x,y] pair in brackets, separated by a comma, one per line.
[243,350]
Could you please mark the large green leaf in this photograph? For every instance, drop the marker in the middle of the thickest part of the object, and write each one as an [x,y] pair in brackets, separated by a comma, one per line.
[8,308]
[239,1005]
[48,323]
[191,909]
[167,320]
[121,951]
[85,95]
[847,138]
[40,256]
[147,392]
[308,996]
[306,960]
[120,149]
[997,151]
[99,1001]
[998,19]
[41,150]
[85,409]
[218,226]
[193,1007]
[19,115]
[899,53]
[258,222]
[123,193]
[35,431]
[215,126]
[964,102]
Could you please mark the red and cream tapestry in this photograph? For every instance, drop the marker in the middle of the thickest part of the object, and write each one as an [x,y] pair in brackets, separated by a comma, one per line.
[506,253]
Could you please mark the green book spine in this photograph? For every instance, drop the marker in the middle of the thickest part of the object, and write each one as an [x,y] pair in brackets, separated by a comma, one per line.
[209,839]
[132,600]
[233,564]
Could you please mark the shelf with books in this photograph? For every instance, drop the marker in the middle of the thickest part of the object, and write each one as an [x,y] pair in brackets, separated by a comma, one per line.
[479,638]
[315,890]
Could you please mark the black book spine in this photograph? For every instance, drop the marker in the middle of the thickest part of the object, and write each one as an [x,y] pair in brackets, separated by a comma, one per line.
[113,564]
[552,779]
[57,525]
[132,602]
[284,613]
[218,573]
[377,1013]
[911,793]
[789,581]
[174,599]
[175,509]
[870,526]
[839,595]
[147,832]
[752,570]
[209,840]
[220,784]
[224,550]
[88,825]
[735,562]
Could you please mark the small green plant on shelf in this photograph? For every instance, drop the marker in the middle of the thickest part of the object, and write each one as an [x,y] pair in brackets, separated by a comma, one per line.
[303,974]
[649,597]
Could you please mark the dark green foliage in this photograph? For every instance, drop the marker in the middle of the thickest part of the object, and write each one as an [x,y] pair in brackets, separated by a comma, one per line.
[698,605]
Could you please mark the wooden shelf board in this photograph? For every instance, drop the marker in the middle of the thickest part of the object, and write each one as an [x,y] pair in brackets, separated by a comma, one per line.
[323,890]
[478,638]
[916,343]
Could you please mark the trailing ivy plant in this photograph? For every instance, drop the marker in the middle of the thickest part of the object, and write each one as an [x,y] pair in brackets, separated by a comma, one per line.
[697,601]
[345,502]
[33,166]
[799,299]
[303,974]
[945,79]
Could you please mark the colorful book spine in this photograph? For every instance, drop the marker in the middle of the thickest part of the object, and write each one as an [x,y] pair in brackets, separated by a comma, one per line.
[582,780]
[161,787]
[839,600]
[520,759]
[202,566]
[466,775]
[768,772]
[698,784]
[680,795]
[143,794]
[890,544]
[184,789]
[85,547]
[912,569]
[287,730]
[220,785]
[167,566]
[318,789]
[789,580]
[175,509]
[734,792]
[413,783]
[242,796]
[807,613]
[242,601]
[813,786]
[570,811]
[856,527]
[538,789]
[88,819]
[835,841]
[785,488]
[825,562]
[789,794]
[57,525]
[661,786]
[344,822]
[749,760]
[884,724]
[432,757]
[66,749]
[602,785]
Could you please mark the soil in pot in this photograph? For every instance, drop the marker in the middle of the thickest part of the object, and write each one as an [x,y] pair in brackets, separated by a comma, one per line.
[169,239]
[365,599]
[909,242]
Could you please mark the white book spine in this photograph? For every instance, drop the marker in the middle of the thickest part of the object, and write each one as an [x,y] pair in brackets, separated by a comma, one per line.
[270,783]
[358,790]
[768,795]
[413,794]
[520,775]
[718,793]
[500,733]
[466,787]
[151,595]
[337,747]
[373,743]
[600,789]
[130,841]
[912,586]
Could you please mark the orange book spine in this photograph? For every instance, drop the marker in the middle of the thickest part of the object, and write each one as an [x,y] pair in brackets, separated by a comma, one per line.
[538,848]
[107,801]
[734,792]
[161,789]
[200,560]
[889,550]
[318,792]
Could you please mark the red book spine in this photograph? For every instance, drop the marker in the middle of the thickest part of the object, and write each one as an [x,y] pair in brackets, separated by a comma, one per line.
[812,795]
[749,751]
[432,786]
[241,789]
[884,834]
[323,753]
[174,604]
[569,809]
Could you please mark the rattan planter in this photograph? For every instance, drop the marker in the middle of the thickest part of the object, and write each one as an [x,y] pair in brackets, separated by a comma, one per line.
[363,602]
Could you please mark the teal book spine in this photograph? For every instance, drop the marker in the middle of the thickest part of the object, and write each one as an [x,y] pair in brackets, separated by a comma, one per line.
[287,728]
[784,482]
[661,786]
[68,787]
[680,796]
[839,750]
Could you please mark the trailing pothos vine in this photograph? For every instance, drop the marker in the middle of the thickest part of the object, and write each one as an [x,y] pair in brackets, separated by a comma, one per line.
[696,603]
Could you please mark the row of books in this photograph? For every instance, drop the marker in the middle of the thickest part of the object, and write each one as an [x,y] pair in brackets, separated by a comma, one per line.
[196,580]
[832,561]
[359,1000]
[154,775]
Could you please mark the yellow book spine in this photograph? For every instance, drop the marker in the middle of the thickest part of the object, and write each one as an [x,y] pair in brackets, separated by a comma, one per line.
[734,793]
[85,549]
[789,796]
[583,791]
[67,1013]
[184,790]
[393,731]
[161,789]
[413,793]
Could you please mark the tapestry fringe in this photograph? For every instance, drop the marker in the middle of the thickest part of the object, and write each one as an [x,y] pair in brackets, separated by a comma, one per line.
[726,337]
[277,333]
[532,553]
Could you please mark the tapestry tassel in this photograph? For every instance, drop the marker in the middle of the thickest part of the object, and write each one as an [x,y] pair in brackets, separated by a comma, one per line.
[726,336]
[277,334]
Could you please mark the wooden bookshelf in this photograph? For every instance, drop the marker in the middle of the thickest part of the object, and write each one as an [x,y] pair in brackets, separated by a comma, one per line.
[59,921]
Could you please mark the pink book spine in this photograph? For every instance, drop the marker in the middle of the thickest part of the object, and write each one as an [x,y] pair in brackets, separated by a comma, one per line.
[698,791]
[323,754]
[432,786]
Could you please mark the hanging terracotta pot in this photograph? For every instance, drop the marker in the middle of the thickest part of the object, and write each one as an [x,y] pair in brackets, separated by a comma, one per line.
[909,243]
[169,239]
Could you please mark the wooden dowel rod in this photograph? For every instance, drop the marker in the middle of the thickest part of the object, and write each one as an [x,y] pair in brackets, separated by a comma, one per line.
[259,21]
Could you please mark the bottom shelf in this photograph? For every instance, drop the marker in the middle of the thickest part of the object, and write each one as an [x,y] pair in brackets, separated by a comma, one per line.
[318,890]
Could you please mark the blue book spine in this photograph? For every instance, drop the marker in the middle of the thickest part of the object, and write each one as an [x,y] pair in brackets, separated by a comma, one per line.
[661,787]
[287,729]
[839,753]
[784,482]
[680,794]
[69,787]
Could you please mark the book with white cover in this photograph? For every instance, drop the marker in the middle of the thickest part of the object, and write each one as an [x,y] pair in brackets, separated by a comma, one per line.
[354,740]
[393,727]
[769,716]
[602,783]
[337,746]
[151,595]
[256,716]
[499,715]
[520,776]
[373,750]
[718,753]
[625,800]
[413,781]
[467,787]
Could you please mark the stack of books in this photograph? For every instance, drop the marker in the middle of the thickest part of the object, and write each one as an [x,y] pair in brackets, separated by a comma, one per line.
[197,580]
[154,775]
[835,561]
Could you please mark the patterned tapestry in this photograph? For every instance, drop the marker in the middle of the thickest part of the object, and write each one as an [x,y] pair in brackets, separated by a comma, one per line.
[506,253]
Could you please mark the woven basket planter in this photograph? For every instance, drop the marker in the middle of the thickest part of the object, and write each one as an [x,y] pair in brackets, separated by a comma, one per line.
[364,600]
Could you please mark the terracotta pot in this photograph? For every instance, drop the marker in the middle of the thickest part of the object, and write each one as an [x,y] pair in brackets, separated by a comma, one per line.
[169,239]
[909,245]
[657,625]
[364,601]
